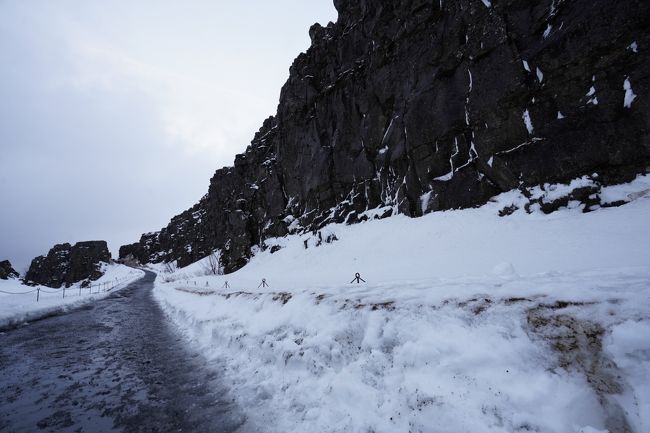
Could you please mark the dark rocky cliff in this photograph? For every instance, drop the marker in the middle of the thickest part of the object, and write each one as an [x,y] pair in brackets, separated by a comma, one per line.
[418,106]
[7,271]
[66,264]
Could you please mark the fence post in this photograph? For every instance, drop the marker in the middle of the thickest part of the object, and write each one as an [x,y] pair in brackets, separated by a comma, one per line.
[63,292]
[38,293]
[79,290]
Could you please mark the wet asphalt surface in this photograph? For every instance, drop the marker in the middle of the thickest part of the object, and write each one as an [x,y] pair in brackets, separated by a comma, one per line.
[115,365]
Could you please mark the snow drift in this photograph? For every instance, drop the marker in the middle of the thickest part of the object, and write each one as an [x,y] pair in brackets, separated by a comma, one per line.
[468,322]
[18,302]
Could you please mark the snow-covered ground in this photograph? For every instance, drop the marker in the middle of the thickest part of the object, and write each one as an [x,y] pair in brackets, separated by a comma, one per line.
[468,322]
[18,302]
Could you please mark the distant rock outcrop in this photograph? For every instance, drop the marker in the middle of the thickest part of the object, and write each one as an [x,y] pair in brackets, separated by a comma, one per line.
[417,106]
[7,271]
[66,264]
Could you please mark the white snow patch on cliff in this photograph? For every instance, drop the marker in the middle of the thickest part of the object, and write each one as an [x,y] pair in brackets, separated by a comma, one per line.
[634,47]
[548,30]
[527,121]
[629,94]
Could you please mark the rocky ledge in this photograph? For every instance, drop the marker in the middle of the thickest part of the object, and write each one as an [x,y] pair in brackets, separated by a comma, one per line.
[419,106]
[66,264]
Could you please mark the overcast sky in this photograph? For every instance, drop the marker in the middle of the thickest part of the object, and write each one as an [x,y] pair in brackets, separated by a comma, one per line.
[115,114]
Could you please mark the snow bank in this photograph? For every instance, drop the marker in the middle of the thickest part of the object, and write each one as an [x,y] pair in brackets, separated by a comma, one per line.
[468,322]
[462,243]
[18,302]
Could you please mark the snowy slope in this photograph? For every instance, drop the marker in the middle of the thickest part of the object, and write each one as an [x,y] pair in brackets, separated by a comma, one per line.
[18,303]
[468,322]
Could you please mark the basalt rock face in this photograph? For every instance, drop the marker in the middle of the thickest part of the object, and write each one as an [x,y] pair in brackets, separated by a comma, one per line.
[7,271]
[416,106]
[188,237]
[66,264]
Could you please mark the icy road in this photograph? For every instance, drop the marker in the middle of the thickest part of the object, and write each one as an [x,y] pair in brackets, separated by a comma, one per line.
[114,366]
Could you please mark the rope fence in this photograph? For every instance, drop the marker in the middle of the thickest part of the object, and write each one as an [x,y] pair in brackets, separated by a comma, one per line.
[103,287]
[263,284]
[17,293]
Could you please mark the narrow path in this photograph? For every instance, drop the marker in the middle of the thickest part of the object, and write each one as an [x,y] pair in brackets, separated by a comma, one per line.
[116,365]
